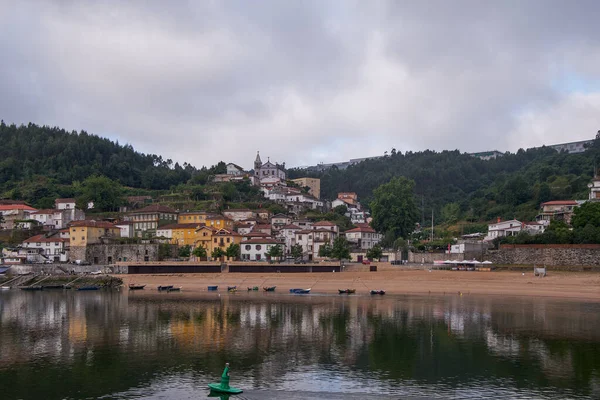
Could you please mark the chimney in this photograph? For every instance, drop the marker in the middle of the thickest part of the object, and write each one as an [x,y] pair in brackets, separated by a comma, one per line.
[499,220]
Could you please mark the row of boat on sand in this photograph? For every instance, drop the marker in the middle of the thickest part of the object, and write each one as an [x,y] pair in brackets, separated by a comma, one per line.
[50,287]
[167,288]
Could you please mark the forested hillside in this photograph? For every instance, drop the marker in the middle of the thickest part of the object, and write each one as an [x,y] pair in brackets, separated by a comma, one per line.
[458,186]
[28,151]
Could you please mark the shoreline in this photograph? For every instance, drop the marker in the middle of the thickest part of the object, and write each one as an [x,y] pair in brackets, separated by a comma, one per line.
[565,285]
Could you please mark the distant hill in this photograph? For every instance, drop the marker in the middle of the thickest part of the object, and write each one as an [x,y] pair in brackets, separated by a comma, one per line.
[509,186]
[28,152]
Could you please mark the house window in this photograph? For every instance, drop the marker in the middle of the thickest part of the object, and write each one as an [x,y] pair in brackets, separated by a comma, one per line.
[248,247]
[258,247]
[82,238]
[215,240]
[228,240]
[258,256]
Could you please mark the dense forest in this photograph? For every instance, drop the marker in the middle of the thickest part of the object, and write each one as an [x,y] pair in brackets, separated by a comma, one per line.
[457,186]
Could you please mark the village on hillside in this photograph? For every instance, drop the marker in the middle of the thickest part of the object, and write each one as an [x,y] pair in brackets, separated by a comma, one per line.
[148,231]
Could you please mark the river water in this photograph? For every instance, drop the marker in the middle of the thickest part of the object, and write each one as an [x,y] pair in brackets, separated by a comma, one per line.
[149,345]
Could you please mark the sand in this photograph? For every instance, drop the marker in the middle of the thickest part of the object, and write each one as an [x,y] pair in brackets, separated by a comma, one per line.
[567,285]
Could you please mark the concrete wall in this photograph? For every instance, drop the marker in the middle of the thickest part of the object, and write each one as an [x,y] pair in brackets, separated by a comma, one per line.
[104,254]
[549,255]
[429,258]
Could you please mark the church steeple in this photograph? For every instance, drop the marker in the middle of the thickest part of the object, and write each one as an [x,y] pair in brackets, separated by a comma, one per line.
[257,162]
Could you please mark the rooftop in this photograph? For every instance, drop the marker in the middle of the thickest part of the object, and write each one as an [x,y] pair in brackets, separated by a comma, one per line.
[45,239]
[92,224]
[154,208]
[560,203]
[362,229]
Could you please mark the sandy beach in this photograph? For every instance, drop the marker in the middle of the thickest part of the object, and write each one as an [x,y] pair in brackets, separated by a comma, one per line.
[567,285]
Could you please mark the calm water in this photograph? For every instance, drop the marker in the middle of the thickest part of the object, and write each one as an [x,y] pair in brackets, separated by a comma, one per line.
[75,345]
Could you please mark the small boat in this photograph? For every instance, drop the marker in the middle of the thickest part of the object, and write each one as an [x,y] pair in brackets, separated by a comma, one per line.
[165,288]
[53,287]
[347,291]
[175,289]
[3,270]
[5,287]
[379,291]
[231,288]
[252,288]
[133,286]
[31,288]
[212,288]
[300,291]
[269,288]
[91,287]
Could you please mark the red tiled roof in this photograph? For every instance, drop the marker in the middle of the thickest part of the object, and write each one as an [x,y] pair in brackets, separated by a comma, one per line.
[218,217]
[68,200]
[256,234]
[560,203]
[238,210]
[291,226]
[260,226]
[45,211]
[16,207]
[262,241]
[44,239]
[93,224]
[324,223]
[361,229]
[154,208]
[180,226]
[305,231]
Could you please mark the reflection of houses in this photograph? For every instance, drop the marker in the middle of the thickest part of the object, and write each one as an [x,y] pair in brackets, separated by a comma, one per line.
[561,210]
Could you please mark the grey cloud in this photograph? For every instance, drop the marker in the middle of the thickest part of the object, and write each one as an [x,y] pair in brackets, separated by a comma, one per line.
[302,82]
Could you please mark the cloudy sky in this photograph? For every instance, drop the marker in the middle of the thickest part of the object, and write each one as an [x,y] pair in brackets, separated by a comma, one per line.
[304,81]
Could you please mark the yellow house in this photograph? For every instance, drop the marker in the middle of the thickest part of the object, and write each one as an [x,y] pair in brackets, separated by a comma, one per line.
[184,234]
[86,232]
[223,238]
[219,222]
[203,238]
[192,217]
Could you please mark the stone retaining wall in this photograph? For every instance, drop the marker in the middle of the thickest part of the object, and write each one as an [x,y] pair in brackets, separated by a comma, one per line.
[549,255]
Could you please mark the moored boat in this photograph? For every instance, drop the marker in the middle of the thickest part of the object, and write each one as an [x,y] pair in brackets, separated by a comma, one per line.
[231,287]
[347,291]
[53,287]
[91,287]
[165,288]
[212,288]
[300,291]
[175,289]
[378,291]
[31,288]
[252,288]
[133,286]
[269,288]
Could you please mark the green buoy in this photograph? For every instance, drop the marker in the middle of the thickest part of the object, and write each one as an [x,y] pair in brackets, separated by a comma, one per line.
[224,387]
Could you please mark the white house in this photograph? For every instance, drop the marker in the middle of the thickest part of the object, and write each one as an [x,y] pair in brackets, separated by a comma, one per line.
[287,233]
[64,204]
[166,231]
[47,248]
[279,220]
[238,214]
[306,199]
[234,169]
[364,237]
[257,249]
[503,228]
[326,225]
[126,228]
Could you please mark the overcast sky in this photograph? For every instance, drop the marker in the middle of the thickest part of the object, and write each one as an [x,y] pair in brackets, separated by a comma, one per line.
[304,81]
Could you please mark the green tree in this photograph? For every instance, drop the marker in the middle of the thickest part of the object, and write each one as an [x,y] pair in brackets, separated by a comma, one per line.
[233,251]
[275,252]
[375,252]
[544,193]
[296,251]
[325,250]
[340,210]
[587,213]
[200,251]
[104,192]
[393,208]
[217,253]
[185,251]
[451,213]
[340,249]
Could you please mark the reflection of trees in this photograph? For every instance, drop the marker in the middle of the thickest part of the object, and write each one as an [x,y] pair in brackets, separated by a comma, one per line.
[106,342]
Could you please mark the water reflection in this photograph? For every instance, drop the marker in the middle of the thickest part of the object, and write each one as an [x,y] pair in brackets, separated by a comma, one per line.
[150,345]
